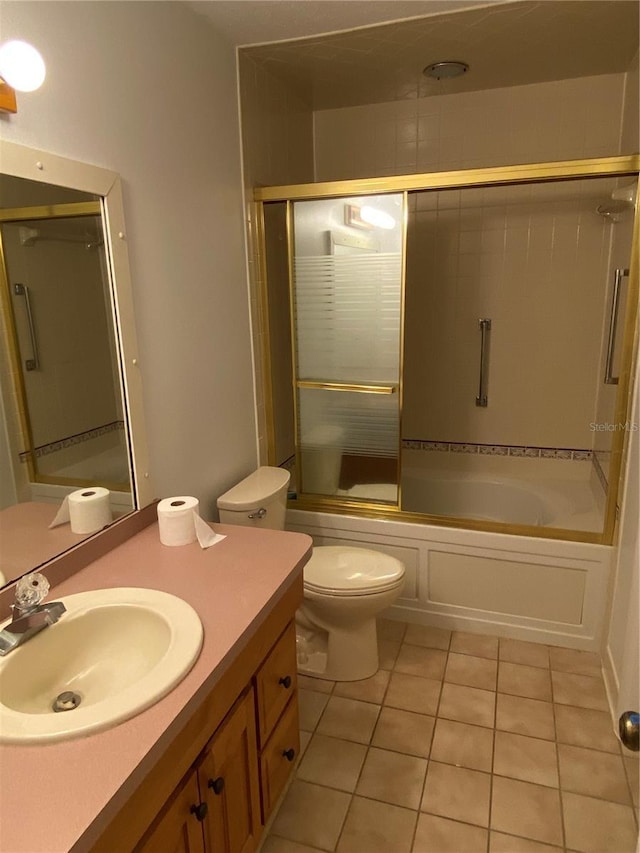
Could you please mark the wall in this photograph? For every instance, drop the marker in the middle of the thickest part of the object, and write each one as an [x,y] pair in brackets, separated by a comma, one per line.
[277,148]
[148,90]
[561,120]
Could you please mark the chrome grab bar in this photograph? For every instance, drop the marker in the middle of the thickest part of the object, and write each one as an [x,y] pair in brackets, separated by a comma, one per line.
[609,378]
[485,327]
[29,363]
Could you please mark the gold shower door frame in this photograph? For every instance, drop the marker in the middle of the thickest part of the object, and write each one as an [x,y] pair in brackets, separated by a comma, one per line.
[601,167]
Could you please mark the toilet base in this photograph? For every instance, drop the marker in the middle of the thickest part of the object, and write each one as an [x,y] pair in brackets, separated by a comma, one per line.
[341,654]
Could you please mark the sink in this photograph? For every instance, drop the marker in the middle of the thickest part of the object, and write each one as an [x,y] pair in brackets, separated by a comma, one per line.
[113,653]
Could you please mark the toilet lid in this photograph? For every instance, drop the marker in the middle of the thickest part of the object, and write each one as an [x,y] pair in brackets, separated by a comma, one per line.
[351,571]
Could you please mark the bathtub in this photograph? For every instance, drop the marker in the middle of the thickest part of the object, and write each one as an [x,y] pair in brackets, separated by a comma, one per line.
[487,496]
[528,588]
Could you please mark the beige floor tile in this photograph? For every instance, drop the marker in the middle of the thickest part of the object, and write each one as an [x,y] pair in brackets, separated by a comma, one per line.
[368,690]
[525,716]
[531,811]
[579,690]
[583,727]
[462,745]
[373,827]
[273,844]
[311,814]
[595,826]
[593,773]
[412,693]
[575,661]
[311,704]
[348,719]
[478,645]
[528,681]
[631,766]
[332,762]
[387,653]
[320,685]
[390,629]
[404,731]
[305,737]
[527,758]
[471,671]
[529,654]
[425,635]
[457,793]
[448,836]
[467,705]
[501,843]
[415,660]
[392,777]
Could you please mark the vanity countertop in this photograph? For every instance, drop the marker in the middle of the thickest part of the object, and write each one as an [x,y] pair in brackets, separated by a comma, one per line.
[55,796]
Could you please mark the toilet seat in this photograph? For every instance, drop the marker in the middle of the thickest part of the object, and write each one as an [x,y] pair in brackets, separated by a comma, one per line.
[343,571]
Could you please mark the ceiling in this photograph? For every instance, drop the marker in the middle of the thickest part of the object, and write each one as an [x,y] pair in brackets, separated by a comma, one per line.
[245,22]
[505,44]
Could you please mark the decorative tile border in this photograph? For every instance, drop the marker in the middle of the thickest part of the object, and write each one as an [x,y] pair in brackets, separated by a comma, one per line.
[499,450]
[70,441]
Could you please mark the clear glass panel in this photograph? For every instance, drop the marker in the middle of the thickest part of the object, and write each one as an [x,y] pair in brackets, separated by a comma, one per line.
[347,312]
[539,261]
[349,443]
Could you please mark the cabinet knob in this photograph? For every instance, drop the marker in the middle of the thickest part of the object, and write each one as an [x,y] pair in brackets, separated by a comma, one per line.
[289,754]
[200,811]
[286,682]
[216,785]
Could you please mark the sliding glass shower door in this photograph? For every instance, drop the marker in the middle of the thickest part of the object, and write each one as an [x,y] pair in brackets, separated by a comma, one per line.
[347,298]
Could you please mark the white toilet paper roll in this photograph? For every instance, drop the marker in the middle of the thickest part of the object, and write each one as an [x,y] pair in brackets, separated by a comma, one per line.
[179,523]
[89,509]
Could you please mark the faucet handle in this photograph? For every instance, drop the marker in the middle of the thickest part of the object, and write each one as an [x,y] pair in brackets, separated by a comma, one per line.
[31,590]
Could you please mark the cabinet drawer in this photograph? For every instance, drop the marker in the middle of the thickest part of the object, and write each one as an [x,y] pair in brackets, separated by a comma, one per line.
[278,756]
[276,682]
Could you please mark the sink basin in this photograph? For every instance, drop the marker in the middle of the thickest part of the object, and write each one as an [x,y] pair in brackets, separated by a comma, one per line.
[114,652]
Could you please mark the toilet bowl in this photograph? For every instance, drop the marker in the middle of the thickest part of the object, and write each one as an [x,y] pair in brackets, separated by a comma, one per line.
[344,587]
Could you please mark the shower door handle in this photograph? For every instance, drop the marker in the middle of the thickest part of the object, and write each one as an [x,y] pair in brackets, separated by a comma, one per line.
[29,363]
[609,378]
[485,327]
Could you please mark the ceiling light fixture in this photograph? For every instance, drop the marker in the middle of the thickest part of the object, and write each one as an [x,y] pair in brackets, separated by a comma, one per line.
[446,70]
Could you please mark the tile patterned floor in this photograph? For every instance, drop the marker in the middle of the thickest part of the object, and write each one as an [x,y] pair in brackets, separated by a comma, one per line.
[460,744]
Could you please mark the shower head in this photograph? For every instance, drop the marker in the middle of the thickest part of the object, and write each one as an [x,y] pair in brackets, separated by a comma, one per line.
[28,236]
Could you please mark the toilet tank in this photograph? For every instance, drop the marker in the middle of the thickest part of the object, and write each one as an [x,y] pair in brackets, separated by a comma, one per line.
[260,500]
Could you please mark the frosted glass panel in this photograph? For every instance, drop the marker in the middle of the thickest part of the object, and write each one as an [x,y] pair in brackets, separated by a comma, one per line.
[347,290]
[349,443]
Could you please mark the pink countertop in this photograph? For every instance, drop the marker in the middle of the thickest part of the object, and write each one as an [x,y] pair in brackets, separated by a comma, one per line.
[26,541]
[50,796]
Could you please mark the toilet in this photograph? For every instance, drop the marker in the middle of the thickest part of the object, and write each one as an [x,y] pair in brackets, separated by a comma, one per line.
[344,588]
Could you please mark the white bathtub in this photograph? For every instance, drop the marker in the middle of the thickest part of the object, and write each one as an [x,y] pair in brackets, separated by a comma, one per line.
[527,588]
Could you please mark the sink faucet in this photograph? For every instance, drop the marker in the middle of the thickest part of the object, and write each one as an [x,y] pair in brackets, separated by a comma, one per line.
[29,615]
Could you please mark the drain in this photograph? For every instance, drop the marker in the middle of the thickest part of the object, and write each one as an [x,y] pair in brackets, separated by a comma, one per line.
[66,701]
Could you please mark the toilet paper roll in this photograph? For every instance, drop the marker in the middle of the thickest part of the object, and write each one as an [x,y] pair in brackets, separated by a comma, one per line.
[179,523]
[87,510]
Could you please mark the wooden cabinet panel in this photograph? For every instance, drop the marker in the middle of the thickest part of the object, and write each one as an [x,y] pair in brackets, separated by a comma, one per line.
[276,682]
[278,756]
[229,783]
[178,829]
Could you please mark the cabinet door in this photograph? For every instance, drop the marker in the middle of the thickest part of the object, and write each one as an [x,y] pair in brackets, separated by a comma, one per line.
[178,830]
[276,760]
[228,778]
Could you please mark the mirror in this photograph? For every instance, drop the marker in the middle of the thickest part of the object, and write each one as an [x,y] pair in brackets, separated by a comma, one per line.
[70,392]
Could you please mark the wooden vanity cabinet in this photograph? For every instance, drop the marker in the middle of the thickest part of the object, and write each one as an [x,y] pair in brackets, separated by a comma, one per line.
[223,802]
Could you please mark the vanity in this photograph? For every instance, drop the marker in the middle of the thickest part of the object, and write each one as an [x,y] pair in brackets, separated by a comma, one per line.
[202,769]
